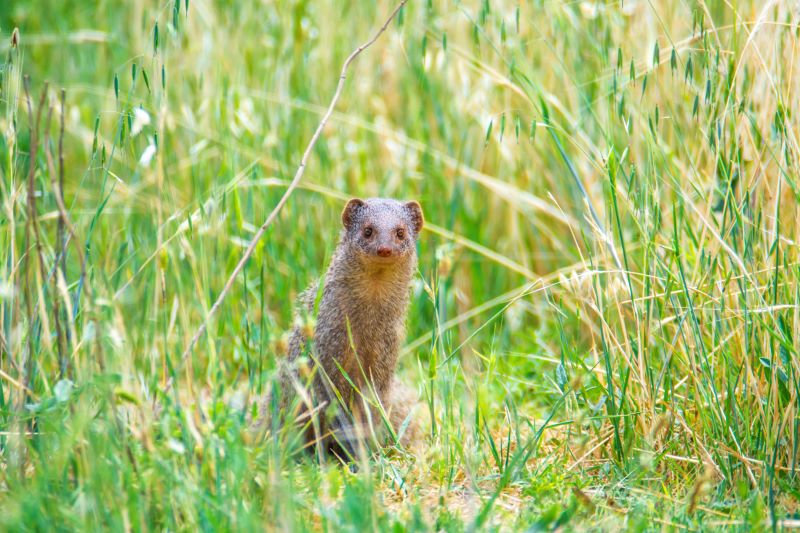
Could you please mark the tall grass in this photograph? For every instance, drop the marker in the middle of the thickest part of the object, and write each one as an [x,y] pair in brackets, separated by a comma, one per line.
[603,329]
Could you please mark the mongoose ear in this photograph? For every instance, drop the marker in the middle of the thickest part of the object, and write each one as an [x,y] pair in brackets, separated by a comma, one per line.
[350,211]
[415,214]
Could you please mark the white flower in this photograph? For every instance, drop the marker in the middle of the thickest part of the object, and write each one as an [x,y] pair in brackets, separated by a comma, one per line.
[62,390]
[116,338]
[147,155]
[590,9]
[141,118]
[176,446]
[89,332]
[6,291]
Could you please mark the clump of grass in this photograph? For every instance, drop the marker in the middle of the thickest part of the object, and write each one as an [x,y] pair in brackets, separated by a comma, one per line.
[606,310]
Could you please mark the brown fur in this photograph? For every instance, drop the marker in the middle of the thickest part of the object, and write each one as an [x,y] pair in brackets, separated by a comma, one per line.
[360,326]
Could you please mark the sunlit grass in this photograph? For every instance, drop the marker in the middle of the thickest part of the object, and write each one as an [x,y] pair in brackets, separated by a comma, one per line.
[603,328]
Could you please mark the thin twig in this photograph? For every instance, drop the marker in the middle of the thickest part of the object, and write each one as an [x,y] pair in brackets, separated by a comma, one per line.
[298,175]
[62,208]
[64,222]
[27,366]
[56,306]
[32,221]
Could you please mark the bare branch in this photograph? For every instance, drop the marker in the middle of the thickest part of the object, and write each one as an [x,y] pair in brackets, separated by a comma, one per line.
[32,220]
[298,175]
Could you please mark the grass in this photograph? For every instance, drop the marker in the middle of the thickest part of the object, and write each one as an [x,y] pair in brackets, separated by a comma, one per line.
[603,331]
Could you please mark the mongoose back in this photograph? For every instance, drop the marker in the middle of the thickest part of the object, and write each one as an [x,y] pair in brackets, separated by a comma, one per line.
[360,322]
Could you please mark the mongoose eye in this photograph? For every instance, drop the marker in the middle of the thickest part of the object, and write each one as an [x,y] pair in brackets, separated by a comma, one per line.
[401,234]
[368,232]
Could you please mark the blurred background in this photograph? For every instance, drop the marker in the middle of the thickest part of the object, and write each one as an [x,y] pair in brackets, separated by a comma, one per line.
[606,304]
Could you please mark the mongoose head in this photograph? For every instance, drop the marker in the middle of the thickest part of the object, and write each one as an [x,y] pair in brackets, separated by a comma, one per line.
[382,230]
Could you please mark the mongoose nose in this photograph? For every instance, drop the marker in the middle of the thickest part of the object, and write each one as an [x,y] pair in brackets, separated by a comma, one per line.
[384,251]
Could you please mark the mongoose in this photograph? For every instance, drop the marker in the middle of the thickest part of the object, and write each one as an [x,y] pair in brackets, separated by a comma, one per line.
[360,325]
